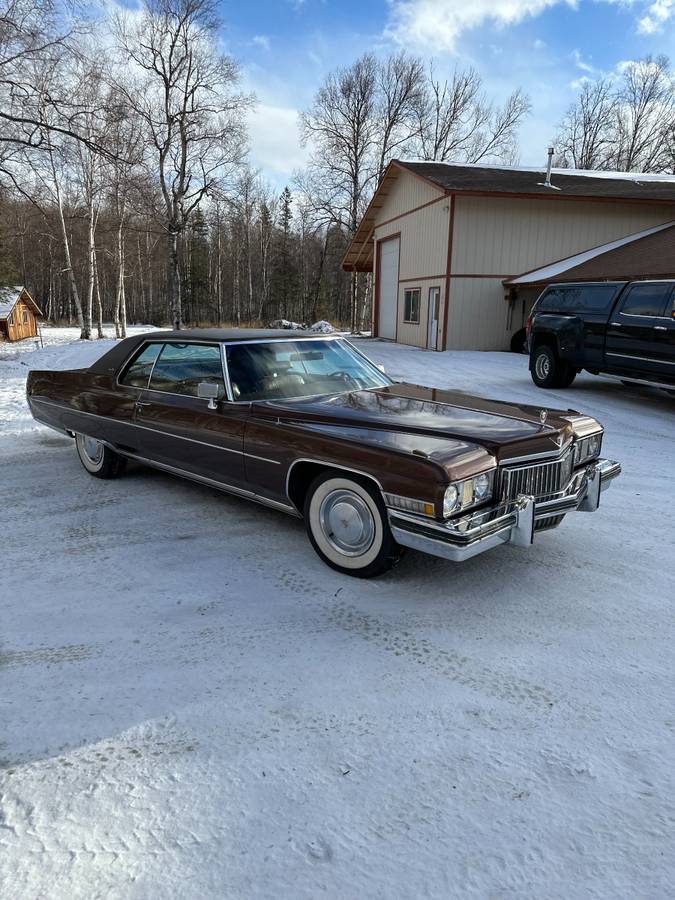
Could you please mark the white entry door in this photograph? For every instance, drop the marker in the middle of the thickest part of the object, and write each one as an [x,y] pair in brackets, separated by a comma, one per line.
[432,318]
[388,289]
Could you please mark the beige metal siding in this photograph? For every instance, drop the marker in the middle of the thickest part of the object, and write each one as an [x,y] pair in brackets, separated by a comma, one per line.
[498,236]
[424,248]
[504,237]
[408,192]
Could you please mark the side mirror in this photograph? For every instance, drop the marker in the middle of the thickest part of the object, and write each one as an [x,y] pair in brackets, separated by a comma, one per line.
[382,369]
[208,391]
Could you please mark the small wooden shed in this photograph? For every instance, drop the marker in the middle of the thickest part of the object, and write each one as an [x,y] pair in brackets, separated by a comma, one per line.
[18,314]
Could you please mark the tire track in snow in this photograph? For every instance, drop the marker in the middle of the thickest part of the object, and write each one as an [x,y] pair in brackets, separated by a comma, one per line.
[458,668]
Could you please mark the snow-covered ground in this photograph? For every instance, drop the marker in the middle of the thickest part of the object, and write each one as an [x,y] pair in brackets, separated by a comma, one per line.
[194,706]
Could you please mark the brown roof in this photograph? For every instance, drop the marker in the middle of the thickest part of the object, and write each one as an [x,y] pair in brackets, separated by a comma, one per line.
[646,254]
[449,178]
[530,182]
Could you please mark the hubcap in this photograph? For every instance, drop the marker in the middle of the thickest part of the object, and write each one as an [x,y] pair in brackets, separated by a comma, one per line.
[347,522]
[92,449]
[543,366]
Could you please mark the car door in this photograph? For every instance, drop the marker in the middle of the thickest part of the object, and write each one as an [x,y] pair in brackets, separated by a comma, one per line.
[663,348]
[180,430]
[630,333]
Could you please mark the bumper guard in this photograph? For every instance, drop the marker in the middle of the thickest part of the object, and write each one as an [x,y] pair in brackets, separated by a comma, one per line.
[509,523]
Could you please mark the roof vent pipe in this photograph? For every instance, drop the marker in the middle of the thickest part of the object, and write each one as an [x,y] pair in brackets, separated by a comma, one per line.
[548,167]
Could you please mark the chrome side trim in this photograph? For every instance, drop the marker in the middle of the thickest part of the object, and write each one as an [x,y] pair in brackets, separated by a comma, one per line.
[210,482]
[81,412]
[297,336]
[661,362]
[328,465]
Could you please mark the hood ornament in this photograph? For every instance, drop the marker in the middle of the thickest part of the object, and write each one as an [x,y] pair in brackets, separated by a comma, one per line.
[543,415]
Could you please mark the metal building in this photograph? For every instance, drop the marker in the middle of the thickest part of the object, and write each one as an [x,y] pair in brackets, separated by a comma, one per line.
[446,243]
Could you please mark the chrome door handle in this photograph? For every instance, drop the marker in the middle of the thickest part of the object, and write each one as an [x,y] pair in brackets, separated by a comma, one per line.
[143,403]
[660,328]
[616,324]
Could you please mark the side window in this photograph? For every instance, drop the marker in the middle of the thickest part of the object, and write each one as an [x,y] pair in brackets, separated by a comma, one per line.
[596,297]
[575,298]
[25,317]
[181,367]
[10,319]
[138,372]
[646,299]
[555,299]
[411,308]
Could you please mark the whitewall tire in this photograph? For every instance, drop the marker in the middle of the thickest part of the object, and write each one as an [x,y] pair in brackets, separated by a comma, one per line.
[347,525]
[98,459]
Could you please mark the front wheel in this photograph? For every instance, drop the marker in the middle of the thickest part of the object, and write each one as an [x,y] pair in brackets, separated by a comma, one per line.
[347,525]
[99,460]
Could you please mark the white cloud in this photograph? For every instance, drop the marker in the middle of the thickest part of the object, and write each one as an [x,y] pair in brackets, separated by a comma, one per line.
[261,40]
[539,44]
[436,24]
[275,141]
[658,13]
[580,63]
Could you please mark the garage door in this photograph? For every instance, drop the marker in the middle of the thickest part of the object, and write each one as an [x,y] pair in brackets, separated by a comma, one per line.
[388,289]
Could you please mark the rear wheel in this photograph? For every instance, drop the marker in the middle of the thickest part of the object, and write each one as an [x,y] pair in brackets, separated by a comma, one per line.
[548,370]
[99,460]
[347,525]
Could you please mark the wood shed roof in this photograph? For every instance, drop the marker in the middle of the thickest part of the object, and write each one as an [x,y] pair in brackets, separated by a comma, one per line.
[9,297]
[508,181]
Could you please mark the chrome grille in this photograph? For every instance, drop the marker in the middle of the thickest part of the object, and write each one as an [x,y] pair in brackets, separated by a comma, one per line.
[542,481]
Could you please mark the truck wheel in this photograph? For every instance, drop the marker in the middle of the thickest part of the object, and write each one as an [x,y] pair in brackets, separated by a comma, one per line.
[548,371]
[99,460]
[347,525]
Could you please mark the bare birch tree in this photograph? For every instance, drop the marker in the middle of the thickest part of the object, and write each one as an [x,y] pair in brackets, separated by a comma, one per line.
[456,122]
[184,90]
[623,122]
[586,137]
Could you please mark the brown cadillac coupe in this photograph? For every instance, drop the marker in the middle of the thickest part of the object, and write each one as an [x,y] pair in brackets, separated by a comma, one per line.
[310,426]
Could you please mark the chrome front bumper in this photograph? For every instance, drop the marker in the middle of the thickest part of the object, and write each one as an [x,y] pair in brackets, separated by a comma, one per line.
[510,523]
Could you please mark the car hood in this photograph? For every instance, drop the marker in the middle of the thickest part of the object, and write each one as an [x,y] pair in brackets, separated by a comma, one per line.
[506,430]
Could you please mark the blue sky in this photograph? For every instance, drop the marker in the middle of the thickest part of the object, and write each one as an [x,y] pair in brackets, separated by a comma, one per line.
[285,47]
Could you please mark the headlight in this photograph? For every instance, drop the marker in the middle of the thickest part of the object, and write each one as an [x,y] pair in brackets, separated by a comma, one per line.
[587,448]
[451,500]
[463,495]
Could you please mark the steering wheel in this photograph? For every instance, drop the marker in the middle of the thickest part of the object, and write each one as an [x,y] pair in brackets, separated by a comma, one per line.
[344,376]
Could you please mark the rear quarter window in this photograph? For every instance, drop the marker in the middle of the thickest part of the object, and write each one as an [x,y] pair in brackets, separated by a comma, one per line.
[578,298]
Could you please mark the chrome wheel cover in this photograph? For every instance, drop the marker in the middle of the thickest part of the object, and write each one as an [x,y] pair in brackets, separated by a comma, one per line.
[92,449]
[542,366]
[347,522]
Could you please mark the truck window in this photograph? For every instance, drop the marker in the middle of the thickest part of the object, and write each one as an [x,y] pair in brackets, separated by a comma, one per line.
[575,298]
[648,299]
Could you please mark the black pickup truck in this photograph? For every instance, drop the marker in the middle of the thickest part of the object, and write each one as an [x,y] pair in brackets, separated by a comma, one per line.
[620,328]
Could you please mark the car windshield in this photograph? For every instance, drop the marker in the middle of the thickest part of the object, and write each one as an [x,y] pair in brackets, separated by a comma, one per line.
[285,369]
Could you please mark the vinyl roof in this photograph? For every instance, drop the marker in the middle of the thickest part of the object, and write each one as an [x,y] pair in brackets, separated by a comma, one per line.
[507,181]
[111,360]
[644,254]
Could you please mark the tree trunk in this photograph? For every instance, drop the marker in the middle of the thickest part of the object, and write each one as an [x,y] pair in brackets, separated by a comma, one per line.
[173,280]
[91,267]
[120,304]
[73,294]
[99,303]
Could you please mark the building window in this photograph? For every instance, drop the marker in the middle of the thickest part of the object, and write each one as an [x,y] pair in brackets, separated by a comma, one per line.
[10,319]
[411,307]
[25,317]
